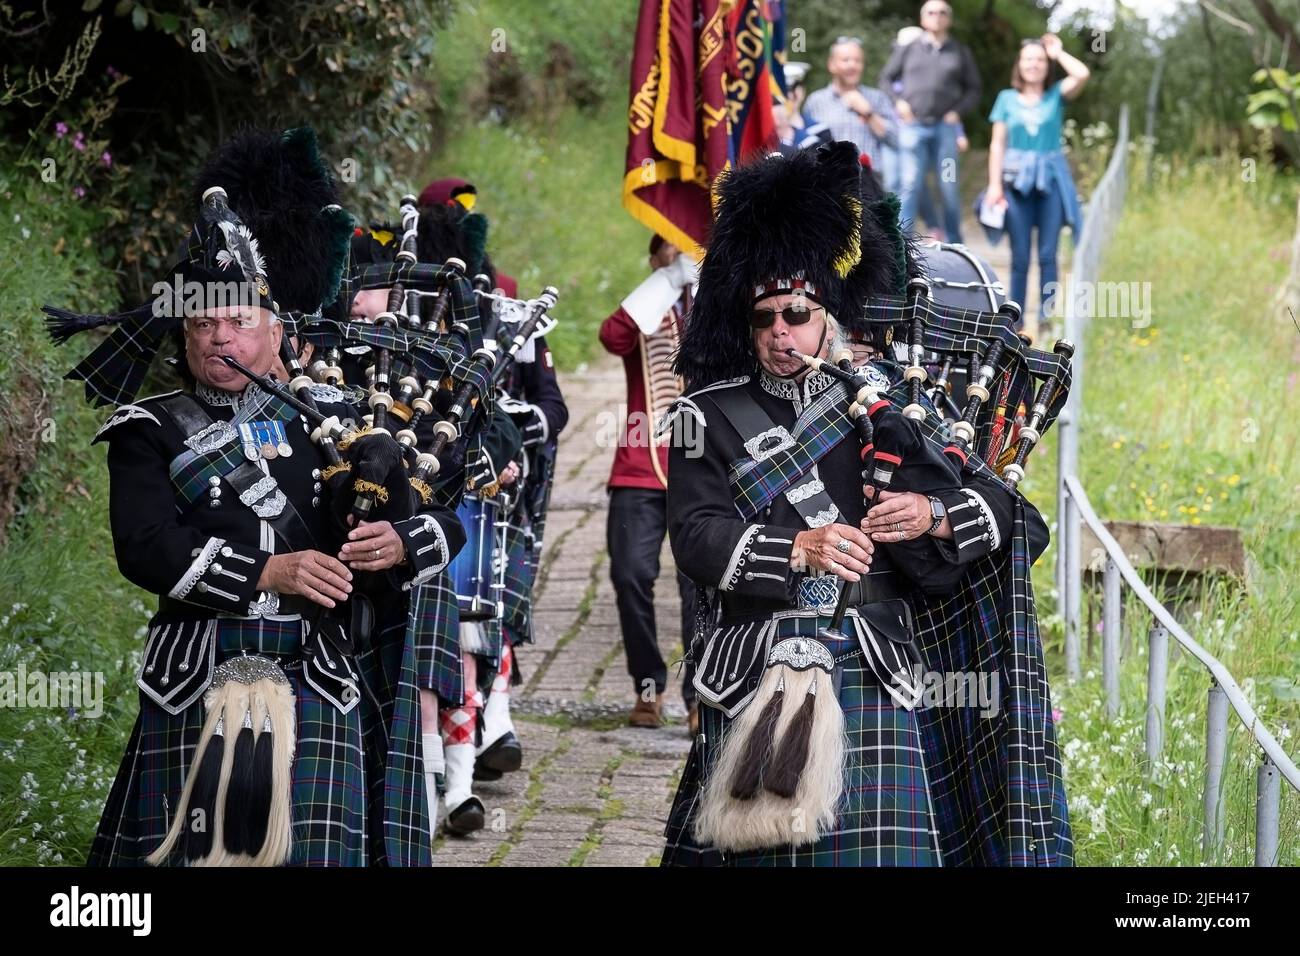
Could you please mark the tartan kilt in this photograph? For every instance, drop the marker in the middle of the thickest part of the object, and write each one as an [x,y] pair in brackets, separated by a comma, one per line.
[433,629]
[329,825]
[517,624]
[998,785]
[399,812]
[885,816]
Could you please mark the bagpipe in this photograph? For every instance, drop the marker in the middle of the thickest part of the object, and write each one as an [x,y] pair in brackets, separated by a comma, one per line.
[432,376]
[999,362]
[438,356]
[1013,392]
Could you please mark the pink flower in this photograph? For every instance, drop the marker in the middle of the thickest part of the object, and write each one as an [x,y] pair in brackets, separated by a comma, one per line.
[1056,715]
[112,71]
[60,129]
[79,192]
[106,158]
[79,142]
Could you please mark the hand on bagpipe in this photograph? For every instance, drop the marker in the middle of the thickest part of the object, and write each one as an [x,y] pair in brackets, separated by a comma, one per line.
[364,467]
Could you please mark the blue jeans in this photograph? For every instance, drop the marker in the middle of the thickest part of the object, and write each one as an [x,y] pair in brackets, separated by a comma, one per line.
[1035,210]
[924,147]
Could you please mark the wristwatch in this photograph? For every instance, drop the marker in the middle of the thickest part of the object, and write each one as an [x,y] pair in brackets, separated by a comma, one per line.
[938,512]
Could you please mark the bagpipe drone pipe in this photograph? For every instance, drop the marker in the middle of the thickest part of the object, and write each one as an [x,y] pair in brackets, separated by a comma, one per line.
[433,375]
[1013,393]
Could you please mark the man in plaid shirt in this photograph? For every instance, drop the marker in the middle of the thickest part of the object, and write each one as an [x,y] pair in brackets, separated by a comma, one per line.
[861,115]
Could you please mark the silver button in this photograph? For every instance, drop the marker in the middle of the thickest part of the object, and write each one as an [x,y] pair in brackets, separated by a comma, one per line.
[227,551]
[202,586]
[315,472]
[762,538]
[316,487]
[315,502]
[214,503]
[214,492]
[749,575]
[980,519]
[214,481]
[216,568]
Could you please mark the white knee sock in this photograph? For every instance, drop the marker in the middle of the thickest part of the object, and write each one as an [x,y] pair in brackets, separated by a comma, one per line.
[434,767]
[460,774]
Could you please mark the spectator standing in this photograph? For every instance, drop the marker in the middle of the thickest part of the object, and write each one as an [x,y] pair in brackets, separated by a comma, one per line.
[939,83]
[1028,172]
[861,115]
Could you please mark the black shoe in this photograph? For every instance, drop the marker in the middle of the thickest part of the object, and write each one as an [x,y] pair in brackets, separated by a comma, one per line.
[505,755]
[466,818]
[482,773]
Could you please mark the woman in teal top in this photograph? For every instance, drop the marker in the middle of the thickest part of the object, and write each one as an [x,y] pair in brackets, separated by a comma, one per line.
[1028,173]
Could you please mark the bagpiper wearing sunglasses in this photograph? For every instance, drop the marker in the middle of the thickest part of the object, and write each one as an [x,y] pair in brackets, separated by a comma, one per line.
[812,747]
[249,747]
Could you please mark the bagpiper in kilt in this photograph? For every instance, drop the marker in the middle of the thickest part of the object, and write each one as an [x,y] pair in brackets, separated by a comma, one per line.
[814,747]
[531,396]
[249,748]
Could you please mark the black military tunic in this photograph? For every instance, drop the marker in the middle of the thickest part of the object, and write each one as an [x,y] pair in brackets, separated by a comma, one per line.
[887,817]
[198,505]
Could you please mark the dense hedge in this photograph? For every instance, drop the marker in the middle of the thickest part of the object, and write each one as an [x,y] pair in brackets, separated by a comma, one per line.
[169,79]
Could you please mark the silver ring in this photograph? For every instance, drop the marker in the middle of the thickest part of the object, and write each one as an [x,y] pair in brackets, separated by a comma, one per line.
[898,526]
[377,552]
[843,546]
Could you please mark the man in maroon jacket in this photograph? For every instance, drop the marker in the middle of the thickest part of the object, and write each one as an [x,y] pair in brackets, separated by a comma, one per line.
[645,331]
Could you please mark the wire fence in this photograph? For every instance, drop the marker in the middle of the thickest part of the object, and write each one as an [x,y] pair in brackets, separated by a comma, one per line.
[1074,510]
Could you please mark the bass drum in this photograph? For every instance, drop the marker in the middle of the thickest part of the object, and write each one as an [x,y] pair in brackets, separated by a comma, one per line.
[472,573]
[962,280]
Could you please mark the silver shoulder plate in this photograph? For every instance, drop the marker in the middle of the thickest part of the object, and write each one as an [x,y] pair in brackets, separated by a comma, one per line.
[323,392]
[125,413]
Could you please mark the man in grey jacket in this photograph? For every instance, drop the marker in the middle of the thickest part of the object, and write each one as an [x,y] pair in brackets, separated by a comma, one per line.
[939,83]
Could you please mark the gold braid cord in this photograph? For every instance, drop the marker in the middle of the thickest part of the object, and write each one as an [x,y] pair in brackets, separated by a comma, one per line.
[332,470]
[422,489]
[346,441]
[361,486]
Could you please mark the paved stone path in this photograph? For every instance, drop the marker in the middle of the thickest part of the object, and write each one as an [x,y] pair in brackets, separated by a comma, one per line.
[592,791]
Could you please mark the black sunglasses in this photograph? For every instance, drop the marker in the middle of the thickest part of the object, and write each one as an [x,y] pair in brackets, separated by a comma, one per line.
[792,314]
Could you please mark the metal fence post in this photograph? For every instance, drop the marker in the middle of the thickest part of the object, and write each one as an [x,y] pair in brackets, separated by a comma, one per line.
[1268,806]
[1216,743]
[1157,674]
[1110,633]
[1072,597]
[1064,428]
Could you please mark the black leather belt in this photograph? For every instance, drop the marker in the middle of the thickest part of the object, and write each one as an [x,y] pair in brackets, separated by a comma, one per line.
[877,586]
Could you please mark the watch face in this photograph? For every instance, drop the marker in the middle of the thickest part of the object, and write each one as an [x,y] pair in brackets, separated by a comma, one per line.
[937,509]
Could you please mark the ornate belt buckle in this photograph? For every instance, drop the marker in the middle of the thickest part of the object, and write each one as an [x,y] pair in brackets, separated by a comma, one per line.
[821,593]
